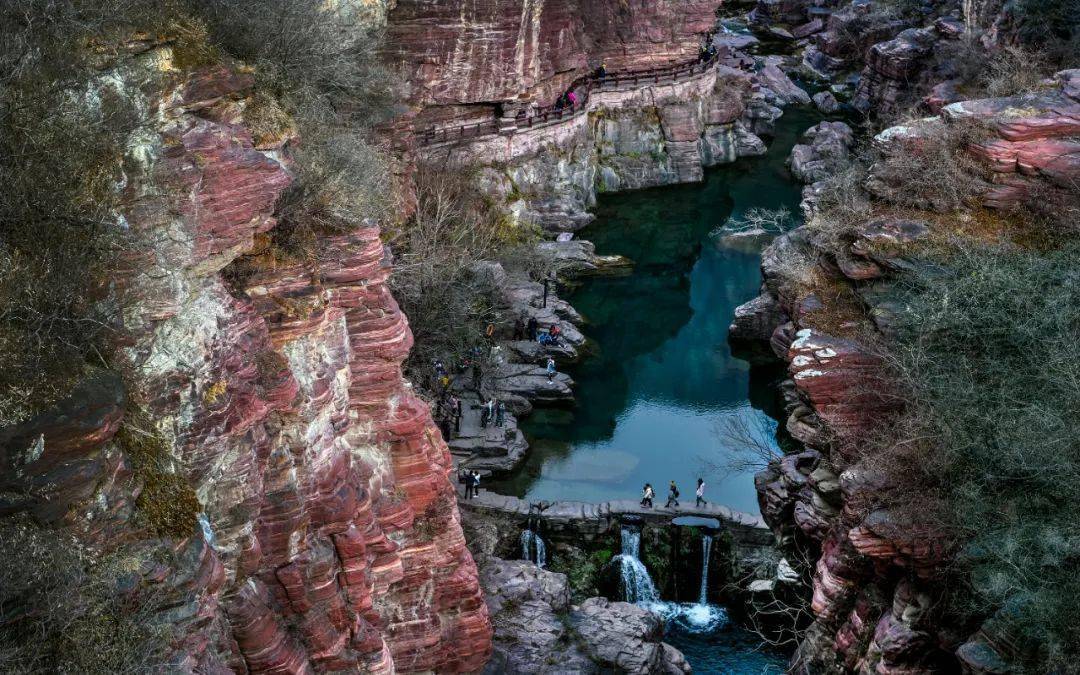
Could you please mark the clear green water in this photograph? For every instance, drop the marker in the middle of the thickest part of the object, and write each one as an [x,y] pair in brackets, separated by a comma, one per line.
[662,380]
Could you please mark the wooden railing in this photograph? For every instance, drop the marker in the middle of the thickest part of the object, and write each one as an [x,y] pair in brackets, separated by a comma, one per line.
[556,113]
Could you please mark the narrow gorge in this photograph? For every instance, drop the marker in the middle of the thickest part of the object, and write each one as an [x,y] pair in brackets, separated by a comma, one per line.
[344,336]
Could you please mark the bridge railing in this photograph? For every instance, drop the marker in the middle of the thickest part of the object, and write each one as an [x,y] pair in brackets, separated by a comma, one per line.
[556,113]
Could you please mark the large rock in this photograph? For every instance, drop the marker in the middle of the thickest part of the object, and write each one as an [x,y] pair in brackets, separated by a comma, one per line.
[825,152]
[537,631]
[272,406]
[890,67]
[625,637]
[756,320]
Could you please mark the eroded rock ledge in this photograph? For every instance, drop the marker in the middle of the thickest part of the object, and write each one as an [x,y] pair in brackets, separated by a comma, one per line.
[877,584]
[328,538]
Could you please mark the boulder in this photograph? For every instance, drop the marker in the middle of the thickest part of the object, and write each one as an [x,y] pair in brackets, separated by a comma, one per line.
[890,66]
[756,320]
[826,102]
[537,631]
[825,151]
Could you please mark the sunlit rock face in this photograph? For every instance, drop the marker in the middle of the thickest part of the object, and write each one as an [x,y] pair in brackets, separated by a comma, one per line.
[329,538]
[457,52]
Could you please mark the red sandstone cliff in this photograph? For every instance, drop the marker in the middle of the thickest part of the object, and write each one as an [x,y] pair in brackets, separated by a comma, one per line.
[461,53]
[879,583]
[329,538]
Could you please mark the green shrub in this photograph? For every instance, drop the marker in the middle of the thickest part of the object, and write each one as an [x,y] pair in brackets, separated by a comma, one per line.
[988,351]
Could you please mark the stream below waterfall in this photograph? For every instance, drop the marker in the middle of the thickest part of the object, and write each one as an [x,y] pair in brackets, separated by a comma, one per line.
[661,383]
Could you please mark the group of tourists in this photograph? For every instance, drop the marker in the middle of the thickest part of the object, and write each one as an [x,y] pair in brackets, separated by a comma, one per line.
[647,495]
[472,483]
[567,100]
[529,329]
[492,413]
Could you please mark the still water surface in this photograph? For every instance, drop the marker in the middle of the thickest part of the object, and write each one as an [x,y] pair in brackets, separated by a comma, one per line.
[662,384]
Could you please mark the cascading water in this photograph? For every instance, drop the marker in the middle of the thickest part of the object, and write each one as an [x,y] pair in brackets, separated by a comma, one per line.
[706,549]
[638,586]
[533,548]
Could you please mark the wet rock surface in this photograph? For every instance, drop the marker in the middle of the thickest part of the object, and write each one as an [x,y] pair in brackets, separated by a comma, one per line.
[537,630]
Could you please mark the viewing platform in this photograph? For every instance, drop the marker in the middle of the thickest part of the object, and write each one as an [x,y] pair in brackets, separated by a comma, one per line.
[584,88]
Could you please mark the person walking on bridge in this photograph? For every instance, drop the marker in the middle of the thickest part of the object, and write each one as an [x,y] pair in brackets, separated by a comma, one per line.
[647,496]
[700,500]
[673,496]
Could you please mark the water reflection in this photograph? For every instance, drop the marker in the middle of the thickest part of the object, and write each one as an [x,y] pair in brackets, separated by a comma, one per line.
[662,378]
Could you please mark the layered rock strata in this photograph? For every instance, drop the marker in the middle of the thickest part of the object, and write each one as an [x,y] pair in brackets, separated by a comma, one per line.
[877,582]
[327,537]
[462,58]
[634,137]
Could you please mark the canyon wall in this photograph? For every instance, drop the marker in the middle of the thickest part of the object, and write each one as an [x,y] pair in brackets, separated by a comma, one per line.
[880,585]
[632,137]
[296,490]
[467,53]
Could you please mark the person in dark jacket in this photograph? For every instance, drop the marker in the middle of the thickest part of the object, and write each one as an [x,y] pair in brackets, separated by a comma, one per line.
[673,496]
[532,328]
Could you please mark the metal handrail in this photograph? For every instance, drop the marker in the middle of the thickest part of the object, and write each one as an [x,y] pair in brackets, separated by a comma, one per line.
[552,114]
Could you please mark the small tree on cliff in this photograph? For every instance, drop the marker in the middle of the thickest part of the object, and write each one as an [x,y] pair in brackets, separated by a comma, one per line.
[448,298]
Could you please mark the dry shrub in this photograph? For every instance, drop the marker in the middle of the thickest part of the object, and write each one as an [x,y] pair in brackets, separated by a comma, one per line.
[317,65]
[1014,71]
[929,167]
[62,142]
[843,203]
[63,610]
[341,180]
[320,58]
[987,448]
[1050,26]
[447,295]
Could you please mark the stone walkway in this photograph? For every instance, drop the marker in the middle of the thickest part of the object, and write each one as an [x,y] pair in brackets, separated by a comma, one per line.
[566,511]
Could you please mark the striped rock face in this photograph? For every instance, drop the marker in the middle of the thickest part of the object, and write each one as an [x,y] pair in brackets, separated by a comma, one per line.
[462,53]
[329,536]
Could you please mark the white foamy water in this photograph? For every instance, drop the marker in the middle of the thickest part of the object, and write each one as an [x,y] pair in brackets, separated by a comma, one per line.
[638,588]
[533,548]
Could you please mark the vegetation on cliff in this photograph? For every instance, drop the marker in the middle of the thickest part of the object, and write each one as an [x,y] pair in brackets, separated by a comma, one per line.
[78,102]
[64,135]
[987,350]
[86,614]
[442,272]
[984,458]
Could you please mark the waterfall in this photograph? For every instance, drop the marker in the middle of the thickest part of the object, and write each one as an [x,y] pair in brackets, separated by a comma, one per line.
[530,542]
[637,585]
[706,548]
[638,588]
